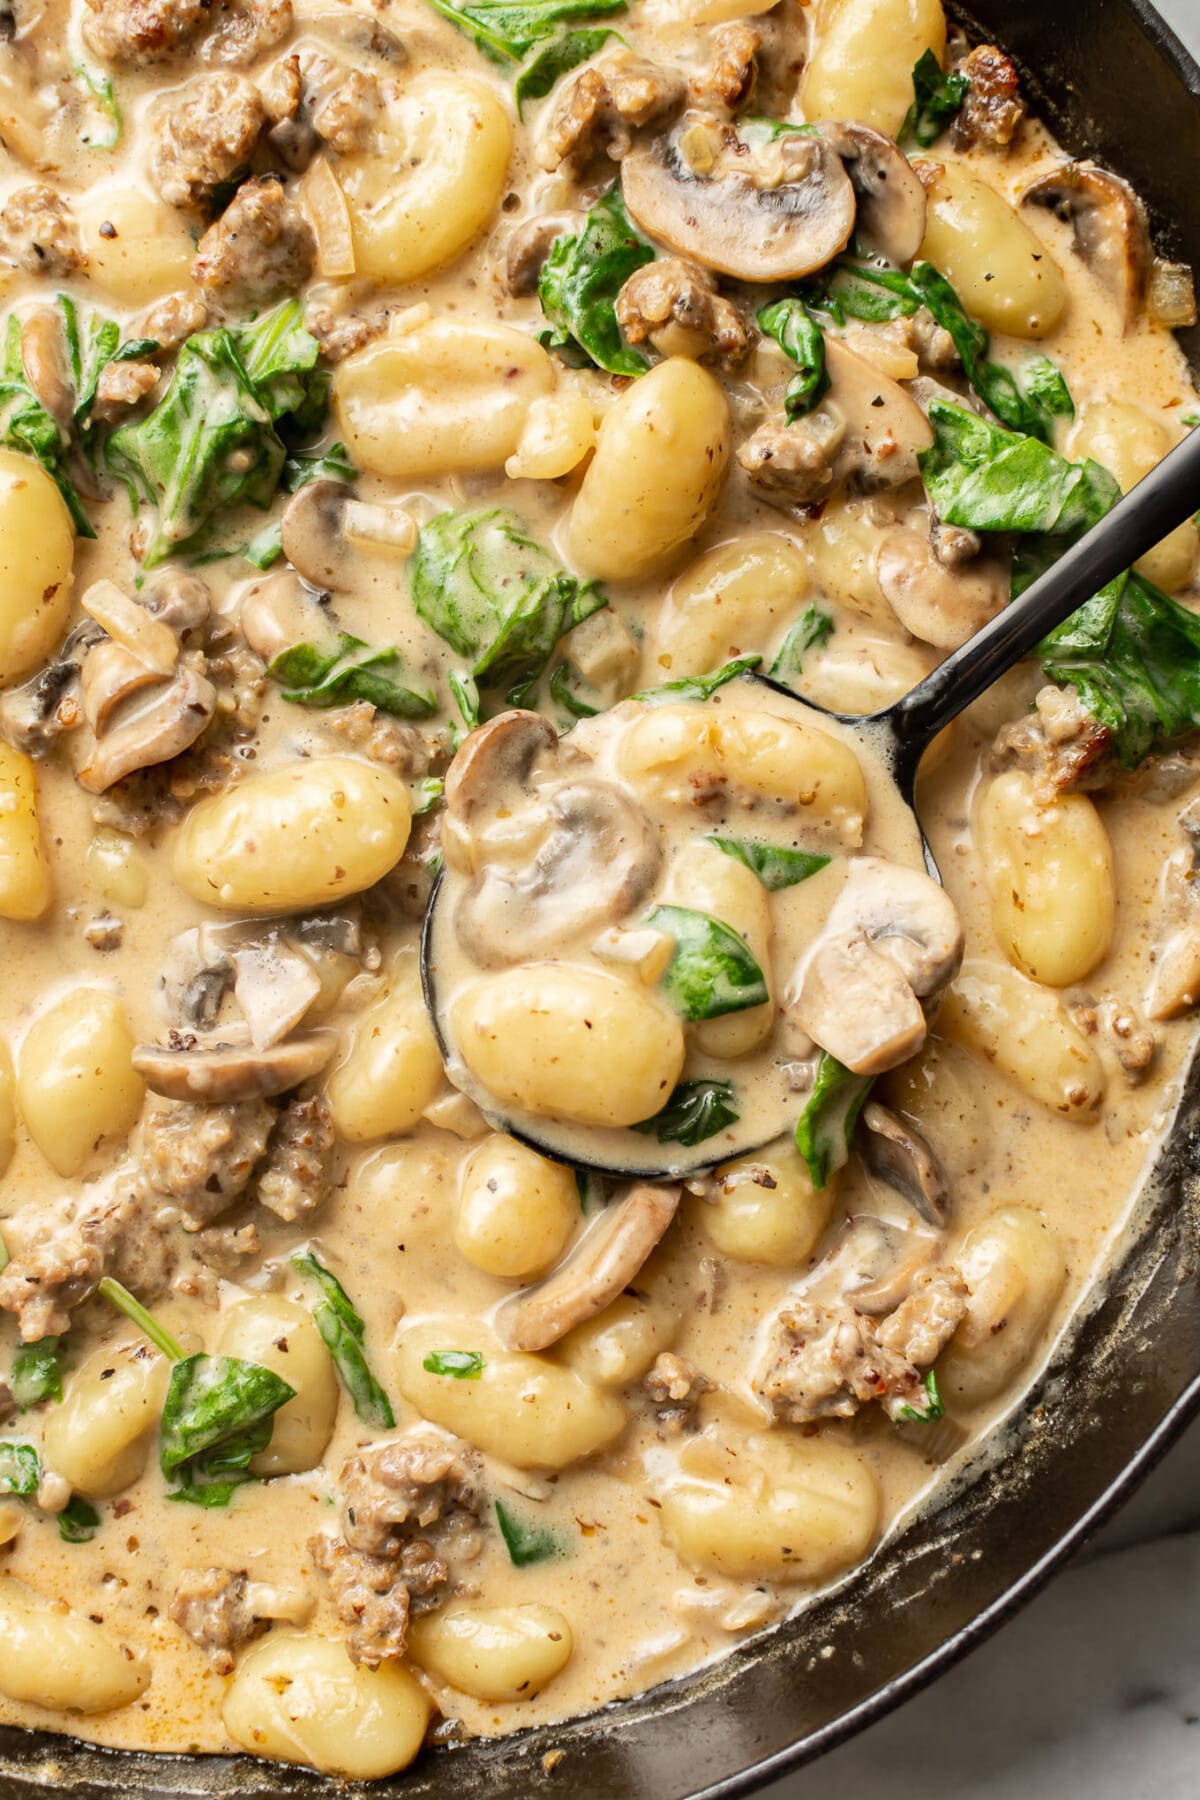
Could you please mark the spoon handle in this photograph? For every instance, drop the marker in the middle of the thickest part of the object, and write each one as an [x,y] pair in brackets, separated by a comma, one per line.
[1165,498]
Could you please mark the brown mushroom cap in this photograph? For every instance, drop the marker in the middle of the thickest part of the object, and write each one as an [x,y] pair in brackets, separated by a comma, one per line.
[773,212]
[602,1264]
[891,196]
[225,1073]
[1108,223]
[529,246]
[898,1154]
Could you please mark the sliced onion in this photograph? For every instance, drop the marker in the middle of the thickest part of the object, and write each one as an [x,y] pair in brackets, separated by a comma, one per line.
[1171,293]
[326,210]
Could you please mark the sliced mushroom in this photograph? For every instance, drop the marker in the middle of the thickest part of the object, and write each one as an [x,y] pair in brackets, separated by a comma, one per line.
[898,1154]
[892,937]
[891,197]
[220,1073]
[493,765]
[273,972]
[179,600]
[602,1264]
[872,1264]
[112,675]
[530,245]
[280,612]
[1109,226]
[151,727]
[323,523]
[773,211]
[938,605]
[44,359]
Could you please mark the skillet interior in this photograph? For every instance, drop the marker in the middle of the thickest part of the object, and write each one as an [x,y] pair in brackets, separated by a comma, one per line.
[1113,82]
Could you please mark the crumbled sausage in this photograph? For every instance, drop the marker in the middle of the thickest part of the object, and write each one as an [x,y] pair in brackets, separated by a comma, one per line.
[260,248]
[225,1248]
[825,1361]
[410,752]
[672,298]
[1131,1040]
[245,30]
[602,106]
[411,1482]
[1059,744]
[172,319]
[312,99]
[297,1177]
[210,1606]
[341,334]
[39,234]
[793,463]
[370,1599]
[130,33]
[675,1389]
[993,107]
[123,385]
[55,1261]
[204,138]
[729,80]
[203,1156]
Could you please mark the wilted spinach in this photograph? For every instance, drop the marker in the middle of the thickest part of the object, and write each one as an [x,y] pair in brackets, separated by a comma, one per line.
[219,1413]
[801,339]
[460,1365]
[343,1330]
[937,98]
[483,584]
[813,628]
[925,1411]
[712,970]
[579,284]
[37,1373]
[505,30]
[25,425]
[826,1125]
[699,687]
[525,1543]
[776,865]
[344,669]
[20,1469]
[696,1111]
[78,1522]
[555,59]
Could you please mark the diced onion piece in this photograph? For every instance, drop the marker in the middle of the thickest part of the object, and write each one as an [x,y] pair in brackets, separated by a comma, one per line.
[131,626]
[380,527]
[1171,294]
[326,210]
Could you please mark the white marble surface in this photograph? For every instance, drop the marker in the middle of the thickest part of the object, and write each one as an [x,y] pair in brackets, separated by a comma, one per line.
[1093,1692]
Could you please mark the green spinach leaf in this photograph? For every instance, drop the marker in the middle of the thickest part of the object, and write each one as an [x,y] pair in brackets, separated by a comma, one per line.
[698,687]
[25,425]
[984,478]
[483,584]
[104,103]
[776,865]
[562,690]
[344,670]
[342,1330]
[557,58]
[20,1469]
[37,1373]
[579,284]
[801,339]
[927,1410]
[696,1111]
[937,98]
[826,1126]
[219,1413]
[506,29]
[78,1522]
[461,1365]
[712,970]
[525,1543]
[813,628]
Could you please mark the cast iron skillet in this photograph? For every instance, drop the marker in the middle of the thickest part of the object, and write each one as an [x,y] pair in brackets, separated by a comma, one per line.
[1116,84]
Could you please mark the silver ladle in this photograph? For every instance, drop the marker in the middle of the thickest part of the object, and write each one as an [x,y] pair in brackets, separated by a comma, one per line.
[897,738]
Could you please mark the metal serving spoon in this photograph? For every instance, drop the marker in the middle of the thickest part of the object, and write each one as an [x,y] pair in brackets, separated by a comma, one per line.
[897,737]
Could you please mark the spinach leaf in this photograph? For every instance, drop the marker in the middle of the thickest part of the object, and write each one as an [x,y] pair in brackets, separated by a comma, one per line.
[37,1373]
[20,1469]
[218,1414]
[775,865]
[104,102]
[712,970]
[927,1411]
[579,284]
[813,628]
[826,1125]
[870,291]
[462,1365]
[214,440]
[111,1290]
[799,336]
[525,1543]
[505,29]
[562,690]
[466,696]
[937,97]
[557,58]
[1046,389]
[483,584]
[345,669]
[425,794]
[696,1111]
[698,687]
[25,425]
[78,1522]
[987,479]
[342,1330]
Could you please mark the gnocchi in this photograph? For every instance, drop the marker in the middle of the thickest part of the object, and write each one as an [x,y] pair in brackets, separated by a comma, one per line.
[1127,441]
[37,557]
[99,1437]
[58,1660]
[1015,1269]
[765,1209]
[280,1335]
[729,601]
[861,62]
[26,888]
[77,1087]
[1027,1032]
[495,1653]
[1001,271]
[393,1069]
[138,247]
[516,1210]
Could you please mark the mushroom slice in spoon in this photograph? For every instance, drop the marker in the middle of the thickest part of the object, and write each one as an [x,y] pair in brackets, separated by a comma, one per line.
[218,1073]
[891,197]
[605,1260]
[899,1155]
[771,211]
[1108,223]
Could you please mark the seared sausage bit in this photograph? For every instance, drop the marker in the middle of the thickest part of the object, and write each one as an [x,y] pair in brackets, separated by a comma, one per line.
[259,249]
[245,30]
[205,137]
[130,33]
[297,1176]
[404,1486]
[203,1156]
[222,1608]
[602,106]
[730,78]
[39,234]
[993,107]
[676,305]
[1059,744]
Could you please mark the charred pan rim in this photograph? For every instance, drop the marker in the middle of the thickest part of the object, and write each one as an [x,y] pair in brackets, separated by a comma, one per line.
[1118,1392]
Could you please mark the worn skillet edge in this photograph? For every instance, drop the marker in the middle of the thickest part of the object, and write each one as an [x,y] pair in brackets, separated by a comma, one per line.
[700,1722]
